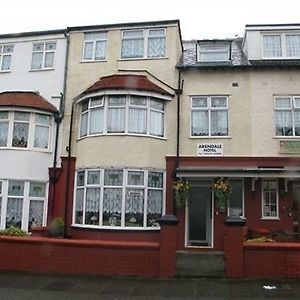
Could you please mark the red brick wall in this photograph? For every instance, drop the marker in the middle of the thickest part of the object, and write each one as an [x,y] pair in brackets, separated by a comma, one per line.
[81,257]
[272,260]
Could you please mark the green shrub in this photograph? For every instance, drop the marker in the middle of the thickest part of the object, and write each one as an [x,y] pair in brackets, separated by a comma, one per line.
[13,231]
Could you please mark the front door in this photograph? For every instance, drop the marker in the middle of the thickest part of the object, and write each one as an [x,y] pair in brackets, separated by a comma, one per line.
[199,220]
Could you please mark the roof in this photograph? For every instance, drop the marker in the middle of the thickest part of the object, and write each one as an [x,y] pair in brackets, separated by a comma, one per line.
[131,82]
[32,33]
[26,99]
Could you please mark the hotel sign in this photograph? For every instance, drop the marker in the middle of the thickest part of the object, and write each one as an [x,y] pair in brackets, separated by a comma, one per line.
[210,149]
[289,147]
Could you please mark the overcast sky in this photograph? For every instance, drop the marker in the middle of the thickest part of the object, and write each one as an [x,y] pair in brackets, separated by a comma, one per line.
[199,18]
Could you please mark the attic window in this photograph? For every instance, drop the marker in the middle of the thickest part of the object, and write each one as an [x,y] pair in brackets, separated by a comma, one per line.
[213,52]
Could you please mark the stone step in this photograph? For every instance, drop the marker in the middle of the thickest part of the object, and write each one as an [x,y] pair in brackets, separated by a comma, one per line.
[200,264]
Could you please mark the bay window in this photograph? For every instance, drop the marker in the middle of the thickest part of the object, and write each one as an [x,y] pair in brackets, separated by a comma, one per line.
[122,114]
[209,116]
[144,43]
[116,198]
[21,129]
[270,199]
[287,115]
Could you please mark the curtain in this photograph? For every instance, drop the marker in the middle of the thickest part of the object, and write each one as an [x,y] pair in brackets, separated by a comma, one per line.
[83,124]
[36,213]
[49,58]
[134,207]
[219,123]
[100,50]
[112,200]
[3,134]
[14,212]
[156,123]
[79,206]
[272,45]
[137,122]
[284,123]
[41,137]
[96,120]
[37,61]
[133,48]
[297,122]
[155,202]
[92,203]
[116,120]
[293,45]
[20,135]
[6,59]
[88,51]
[113,177]
[156,47]
[200,123]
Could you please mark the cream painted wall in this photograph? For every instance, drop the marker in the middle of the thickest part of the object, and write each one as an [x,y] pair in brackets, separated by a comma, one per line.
[251,111]
[135,151]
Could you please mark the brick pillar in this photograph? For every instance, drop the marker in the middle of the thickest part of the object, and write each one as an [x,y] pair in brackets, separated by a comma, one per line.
[233,245]
[168,246]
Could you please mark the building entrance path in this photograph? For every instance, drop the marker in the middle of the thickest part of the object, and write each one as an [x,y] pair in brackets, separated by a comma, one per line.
[29,286]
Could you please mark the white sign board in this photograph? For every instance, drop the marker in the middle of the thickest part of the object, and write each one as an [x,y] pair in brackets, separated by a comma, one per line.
[210,149]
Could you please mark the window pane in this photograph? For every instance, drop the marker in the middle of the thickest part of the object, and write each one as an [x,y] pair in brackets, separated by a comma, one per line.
[3,134]
[80,178]
[133,48]
[42,119]
[156,123]
[297,123]
[97,101]
[284,123]
[272,45]
[37,61]
[36,214]
[112,207]
[138,101]
[116,120]
[156,32]
[22,116]
[199,102]
[20,135]
[92,203]
[156,104]
[88,50]
[49,57]
[154,207]
[134,208]
[95,36]
[37,189]
[38,47]
[8,49]
[51,46]
[83,124]
[156,47]
[155,179]
[79,206]
[293,45]
[270,198]
[113,177]
[236,198]
[283,102]
[135,178]
[200,123]
[133,33]
[219,102]
[214,56]
[93,177]
[6,60]
[137,121]
[16,188]
[3,115]
[219,123]
[116,101]
[96,120]
[41,137]
[100,50]
[14,212]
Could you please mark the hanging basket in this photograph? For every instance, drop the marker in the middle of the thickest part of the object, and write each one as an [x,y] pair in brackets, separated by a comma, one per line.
[181,189]
[222,190]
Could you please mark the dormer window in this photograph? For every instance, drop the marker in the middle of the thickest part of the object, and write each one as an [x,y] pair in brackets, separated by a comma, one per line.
[281,45]
[213,52]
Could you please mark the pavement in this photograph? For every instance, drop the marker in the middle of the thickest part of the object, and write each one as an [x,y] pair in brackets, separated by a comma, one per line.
[31,286]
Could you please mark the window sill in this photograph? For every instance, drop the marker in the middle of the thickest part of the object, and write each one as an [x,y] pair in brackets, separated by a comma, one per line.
[122,134]
[115,228]
[210,137]
[270,219]
[41,70]
[93,61]
[142,58]
[5,71]
[26,149]
[290,137]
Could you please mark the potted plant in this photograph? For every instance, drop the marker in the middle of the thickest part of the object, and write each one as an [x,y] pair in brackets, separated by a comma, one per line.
[181,188]
[57,227]
[222,190]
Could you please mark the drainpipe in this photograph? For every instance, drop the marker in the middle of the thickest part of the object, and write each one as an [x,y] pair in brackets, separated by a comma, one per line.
[178,93]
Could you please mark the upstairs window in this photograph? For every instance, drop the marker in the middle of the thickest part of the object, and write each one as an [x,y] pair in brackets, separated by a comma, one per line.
[5,57]
[121,114]
[144,43]
[213,53]
[94,46]
[20,129]
[209,116]
[43,55]
[281,45]
[287,115]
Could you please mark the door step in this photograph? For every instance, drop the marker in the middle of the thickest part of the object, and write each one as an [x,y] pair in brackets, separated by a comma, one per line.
[200,264]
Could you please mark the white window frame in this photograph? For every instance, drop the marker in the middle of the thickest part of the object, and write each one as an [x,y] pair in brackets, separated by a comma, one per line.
[243,197]
[283,45]
[127,106]
[5,54]
[31,131]
[44,52]
[26,202]
[125,185]
[263,200]
[208,48]
[209,109]
[293,108]
[146,36]
[94,43]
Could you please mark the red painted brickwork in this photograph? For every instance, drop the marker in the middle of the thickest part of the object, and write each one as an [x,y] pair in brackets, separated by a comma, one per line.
[80,257]
[272,260]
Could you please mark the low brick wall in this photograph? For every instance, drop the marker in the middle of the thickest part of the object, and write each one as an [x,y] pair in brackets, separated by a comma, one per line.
[272,260]
[41,254]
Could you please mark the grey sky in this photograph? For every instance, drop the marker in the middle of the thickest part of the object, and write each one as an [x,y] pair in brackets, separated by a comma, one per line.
[199,18]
